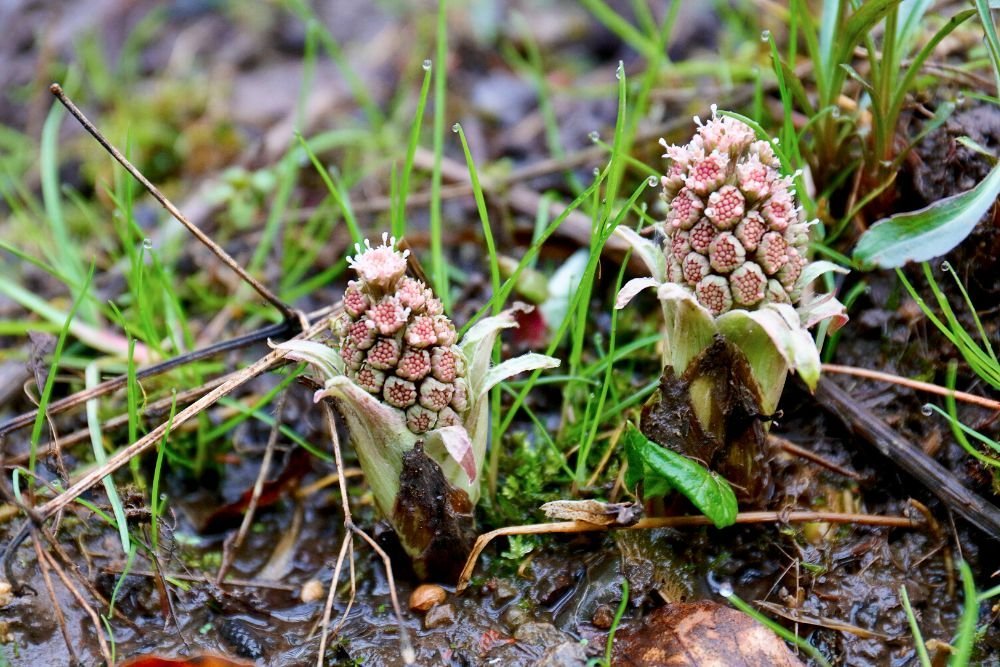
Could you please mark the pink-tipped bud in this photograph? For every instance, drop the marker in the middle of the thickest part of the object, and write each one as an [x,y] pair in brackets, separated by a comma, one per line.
[707,174]
[380,267]
[445,330]
[747,284]
[725,207]
[726,253]
[412,294]
[695,267]
[399,393]
[435,395]
[684,209]
[384,354]
[388,315]
[751,230]
[701,236]
[420,332]
[362,333]
[444,364]
[415,364]
[356,302]
[370,379]
[420,420]
[460,399]
[713,293]
[772,253]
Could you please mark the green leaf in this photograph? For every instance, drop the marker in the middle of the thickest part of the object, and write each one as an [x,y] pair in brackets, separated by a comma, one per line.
[662,469]
[918,236]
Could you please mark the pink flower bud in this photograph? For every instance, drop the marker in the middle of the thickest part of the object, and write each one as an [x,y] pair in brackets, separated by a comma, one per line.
[713,293]
[399,393]
[747,284]
[414,365]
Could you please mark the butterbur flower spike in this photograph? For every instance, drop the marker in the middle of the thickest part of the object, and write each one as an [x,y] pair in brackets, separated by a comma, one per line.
[414,399]
[733,259]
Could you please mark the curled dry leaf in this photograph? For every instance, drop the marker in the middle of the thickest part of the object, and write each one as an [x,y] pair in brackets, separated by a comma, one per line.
[599,513]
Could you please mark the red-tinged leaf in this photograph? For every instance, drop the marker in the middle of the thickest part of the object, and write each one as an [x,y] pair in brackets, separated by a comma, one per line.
[227,515]
[195,661]
[532,330]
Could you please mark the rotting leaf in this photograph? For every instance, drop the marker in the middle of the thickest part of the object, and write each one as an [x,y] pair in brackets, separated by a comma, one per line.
[713,414]
[659,467]
[700,633]
[433,518]
[917,236]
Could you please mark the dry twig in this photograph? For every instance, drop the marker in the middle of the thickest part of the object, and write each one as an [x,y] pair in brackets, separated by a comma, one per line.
[674,522]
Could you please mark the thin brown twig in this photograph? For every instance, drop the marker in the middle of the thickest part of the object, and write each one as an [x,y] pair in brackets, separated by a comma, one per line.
[201,579]
[115,383]
[793,449]
[405,646]
[323,482]
[289,313]
[123,456]
[676,522]
[43,566]
[331,595]
[912,384]
[939,480]
[229,551]
[154,409]
[87,607]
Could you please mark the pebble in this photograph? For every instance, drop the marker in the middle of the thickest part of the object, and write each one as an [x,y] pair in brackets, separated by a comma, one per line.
[312,591]
[438,615]
[603,617]
[426,596]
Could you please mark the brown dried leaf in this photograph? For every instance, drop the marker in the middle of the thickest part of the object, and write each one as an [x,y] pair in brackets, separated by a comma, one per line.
[700,634]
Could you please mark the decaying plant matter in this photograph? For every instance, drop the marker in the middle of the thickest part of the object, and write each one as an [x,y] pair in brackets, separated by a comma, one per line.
[414,400]
[732,277]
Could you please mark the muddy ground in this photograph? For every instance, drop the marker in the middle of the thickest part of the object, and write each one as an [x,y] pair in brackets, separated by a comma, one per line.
[552,605]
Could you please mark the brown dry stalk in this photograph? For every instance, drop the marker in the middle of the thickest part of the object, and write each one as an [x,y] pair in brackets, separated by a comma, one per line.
[676,522]
[290,313]
[43,566]
[230,547]
[125,455]
[87,607]
[912,384]
[201,579]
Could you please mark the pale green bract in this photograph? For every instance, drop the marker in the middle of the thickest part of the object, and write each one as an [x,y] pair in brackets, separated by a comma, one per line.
[379,432]
[733,260]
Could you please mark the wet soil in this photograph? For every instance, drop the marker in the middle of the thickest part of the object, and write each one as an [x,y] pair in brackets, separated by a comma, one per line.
[554,605]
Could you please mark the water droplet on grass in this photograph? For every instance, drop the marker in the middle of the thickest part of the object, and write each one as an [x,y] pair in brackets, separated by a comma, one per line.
[427,65]
[726,589]
[594,136]
[456,127]
[652,180]
[926,410]
[765,35]
[147,243]
[620,72]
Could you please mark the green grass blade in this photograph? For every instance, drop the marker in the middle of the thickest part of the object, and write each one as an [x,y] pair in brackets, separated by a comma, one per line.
[399,209]
[97,443]
[439,270]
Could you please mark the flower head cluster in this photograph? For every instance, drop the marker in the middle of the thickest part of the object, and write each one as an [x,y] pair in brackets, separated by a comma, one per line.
[397,344]
[734,232]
